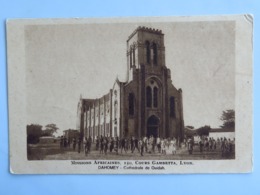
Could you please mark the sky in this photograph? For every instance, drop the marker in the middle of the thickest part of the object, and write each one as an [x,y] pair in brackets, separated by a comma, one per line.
[66,60]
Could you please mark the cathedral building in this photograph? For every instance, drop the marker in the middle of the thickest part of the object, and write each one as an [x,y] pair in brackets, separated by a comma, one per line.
[146,104]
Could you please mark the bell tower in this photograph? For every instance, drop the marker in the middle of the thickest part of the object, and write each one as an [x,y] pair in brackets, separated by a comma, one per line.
[145,46]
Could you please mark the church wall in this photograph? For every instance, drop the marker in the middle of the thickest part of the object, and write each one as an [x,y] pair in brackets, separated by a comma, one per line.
[175,122]
[92,121]
[87,129]
[116,110]
[97,121]
[107,115]
[131,122]
[101,117]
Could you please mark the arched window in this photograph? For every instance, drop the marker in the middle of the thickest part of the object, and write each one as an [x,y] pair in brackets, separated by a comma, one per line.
[172,106]
[148,97]
[154,47]
[148,54]
[155,97]
[131,105]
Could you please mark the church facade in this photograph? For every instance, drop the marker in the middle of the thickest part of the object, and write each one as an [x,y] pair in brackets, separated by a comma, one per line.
[147,104]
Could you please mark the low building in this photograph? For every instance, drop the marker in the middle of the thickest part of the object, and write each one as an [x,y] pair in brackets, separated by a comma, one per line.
[70,134]
[228,133]
[46,139]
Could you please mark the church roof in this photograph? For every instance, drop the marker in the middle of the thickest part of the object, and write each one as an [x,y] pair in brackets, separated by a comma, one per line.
[146,29]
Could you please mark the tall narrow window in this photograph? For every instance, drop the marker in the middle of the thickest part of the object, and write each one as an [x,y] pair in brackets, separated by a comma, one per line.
[154,54]
[148,54]
[115,110]
[148,97]
[172,106]
[131,104]
[133,56]
[130,56]
[155,97]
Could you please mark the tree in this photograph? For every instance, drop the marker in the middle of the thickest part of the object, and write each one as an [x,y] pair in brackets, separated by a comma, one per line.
[203,130]
[189,131]
[228,118]
[34,131]
[190,127]
[50,130]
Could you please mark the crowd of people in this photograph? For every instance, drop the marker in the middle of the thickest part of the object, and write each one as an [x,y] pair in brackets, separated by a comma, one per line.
[105,145]
[142,145]
[208,144]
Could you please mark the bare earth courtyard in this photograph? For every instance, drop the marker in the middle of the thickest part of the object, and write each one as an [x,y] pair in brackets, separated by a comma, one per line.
[53,152]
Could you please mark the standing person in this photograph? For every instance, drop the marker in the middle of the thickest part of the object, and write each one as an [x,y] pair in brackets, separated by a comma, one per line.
[210,144]
[230,145]
[171,146]
[123,145]
[226,145]
[101,145]
[61,142]
[111,144]
[127,141]
[222,146]
[190,146]
[163,146]
[158,142]
[136,144]
[97,143]
[218,143]
[185,142]
[65,142]
[174,146]
[141,145]
[150,144]
[105,145]
[116,145]
[206,144]
[68,143]
[167,145]
[214,144]
[132,144]
[74,143]
[153,144]
[86,146]
[79,145]
[145,140]
[201,146]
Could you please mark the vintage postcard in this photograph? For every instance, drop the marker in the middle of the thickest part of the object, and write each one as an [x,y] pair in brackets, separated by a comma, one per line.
[148,95]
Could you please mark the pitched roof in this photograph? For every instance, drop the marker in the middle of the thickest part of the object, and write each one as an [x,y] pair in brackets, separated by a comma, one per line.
[220,130]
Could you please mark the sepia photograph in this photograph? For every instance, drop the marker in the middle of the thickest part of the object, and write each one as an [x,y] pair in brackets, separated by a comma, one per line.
[128,95]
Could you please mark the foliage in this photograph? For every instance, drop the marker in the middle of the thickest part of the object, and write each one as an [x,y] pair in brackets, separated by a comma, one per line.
[50,130]
[203,130]
[190,127]
[34,131]
[189,131]
[228,118]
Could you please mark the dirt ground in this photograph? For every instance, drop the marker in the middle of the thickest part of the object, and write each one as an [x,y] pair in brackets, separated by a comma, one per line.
[54,152]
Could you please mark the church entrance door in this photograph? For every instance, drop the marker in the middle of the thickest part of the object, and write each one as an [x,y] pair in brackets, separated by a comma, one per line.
[152,126]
